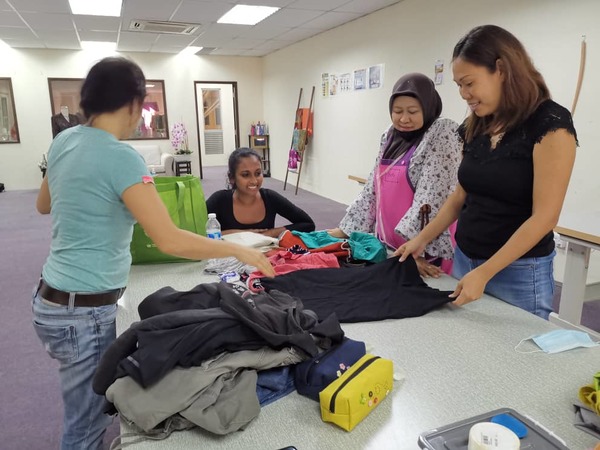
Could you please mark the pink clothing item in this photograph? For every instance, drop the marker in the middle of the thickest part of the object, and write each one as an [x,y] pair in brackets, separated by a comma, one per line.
[395,194]
[285,262]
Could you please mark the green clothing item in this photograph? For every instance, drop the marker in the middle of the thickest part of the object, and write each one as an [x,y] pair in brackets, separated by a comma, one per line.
[363,246]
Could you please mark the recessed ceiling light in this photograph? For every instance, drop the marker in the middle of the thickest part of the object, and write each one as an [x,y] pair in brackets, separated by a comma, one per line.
[247,14]
[99,46]
[191,50]
[96,8]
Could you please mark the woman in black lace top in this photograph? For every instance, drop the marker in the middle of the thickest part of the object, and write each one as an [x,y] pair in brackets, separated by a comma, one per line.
[518,154]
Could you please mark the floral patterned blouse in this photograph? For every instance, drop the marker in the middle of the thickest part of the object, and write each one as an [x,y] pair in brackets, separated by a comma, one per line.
[432,171]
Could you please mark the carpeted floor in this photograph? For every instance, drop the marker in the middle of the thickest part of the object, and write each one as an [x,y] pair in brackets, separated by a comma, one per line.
[31,411]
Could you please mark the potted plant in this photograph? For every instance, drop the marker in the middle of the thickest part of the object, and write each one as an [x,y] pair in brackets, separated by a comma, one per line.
[179,141]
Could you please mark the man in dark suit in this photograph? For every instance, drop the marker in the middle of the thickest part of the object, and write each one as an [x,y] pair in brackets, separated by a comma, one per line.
[63,120]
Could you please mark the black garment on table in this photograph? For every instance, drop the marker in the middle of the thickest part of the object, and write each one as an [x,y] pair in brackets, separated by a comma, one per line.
[386,290]
[149,349]
[60,123]
[221,203]
[499,184]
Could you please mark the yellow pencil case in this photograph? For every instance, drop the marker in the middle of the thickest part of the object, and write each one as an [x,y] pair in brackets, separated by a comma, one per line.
[351,397]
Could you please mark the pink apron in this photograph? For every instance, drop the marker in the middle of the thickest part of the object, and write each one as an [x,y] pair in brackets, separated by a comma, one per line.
[394,195]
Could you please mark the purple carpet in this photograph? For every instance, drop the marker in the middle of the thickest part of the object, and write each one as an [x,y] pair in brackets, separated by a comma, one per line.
[31,412]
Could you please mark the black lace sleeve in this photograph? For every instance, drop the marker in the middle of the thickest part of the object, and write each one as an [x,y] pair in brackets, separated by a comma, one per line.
[550,116]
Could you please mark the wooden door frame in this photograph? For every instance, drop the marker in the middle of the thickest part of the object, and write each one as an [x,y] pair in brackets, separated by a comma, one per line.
[236,119]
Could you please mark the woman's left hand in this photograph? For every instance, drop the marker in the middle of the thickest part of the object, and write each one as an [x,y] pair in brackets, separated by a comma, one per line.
[426,269]
[469,288]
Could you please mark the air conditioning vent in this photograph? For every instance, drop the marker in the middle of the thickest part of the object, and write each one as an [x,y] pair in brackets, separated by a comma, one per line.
[155,26]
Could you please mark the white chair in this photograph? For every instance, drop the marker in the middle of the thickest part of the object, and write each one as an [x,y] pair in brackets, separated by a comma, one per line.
[156,159]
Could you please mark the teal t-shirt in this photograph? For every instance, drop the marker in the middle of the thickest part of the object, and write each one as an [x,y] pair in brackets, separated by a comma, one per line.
[88,171]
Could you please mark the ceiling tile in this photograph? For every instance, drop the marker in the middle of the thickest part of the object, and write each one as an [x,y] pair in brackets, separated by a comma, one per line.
[366,7]
[255,52]
[174,40]
[56,27]
[101,36]
[291,17]
[331,20]
[25,43]
[298,34]
[46,35]
[220,31]
[276,3]
[226,52]
[273,45]
[201,12]
[133,38]
[319,5]
[10,19]
[260,31]
[96,23]
[16,33]
[47,21]
[148,9]
[138,47]
[53,6]
[243,43]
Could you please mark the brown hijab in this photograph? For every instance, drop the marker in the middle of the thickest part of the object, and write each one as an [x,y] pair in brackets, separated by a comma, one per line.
[422,88]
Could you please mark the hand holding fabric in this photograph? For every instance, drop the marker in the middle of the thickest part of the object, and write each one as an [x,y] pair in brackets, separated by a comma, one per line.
[469,288]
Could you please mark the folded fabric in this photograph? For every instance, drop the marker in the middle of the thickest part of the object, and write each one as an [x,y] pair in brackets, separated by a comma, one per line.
[386,290]
[229,264]
[286,262]
[250,239]
[363,246]
[273,384]
[338,247]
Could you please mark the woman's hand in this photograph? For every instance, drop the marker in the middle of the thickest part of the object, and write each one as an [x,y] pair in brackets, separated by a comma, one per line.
[337,233]
[413,247]
[256,258]
[470,288]
[426,269]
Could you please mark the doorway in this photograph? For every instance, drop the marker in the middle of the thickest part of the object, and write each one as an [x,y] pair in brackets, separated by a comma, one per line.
[216,121]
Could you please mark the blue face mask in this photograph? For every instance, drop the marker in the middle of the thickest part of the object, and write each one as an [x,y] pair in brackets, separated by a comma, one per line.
[561,340]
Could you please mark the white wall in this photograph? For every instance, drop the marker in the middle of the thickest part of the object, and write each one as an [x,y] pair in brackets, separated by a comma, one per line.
[30,69]
[410,36]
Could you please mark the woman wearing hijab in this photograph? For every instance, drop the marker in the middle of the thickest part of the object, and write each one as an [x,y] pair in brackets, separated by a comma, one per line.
[414,174]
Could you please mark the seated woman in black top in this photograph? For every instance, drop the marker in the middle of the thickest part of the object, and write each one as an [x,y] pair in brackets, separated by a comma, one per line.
[248,207]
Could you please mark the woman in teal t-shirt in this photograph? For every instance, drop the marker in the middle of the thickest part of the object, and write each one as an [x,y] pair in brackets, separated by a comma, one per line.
[96,188]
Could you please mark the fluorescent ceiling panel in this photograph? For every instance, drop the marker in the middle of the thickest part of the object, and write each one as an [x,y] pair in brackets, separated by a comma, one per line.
[99,46]
[191,50]
[96,8]
[247,14]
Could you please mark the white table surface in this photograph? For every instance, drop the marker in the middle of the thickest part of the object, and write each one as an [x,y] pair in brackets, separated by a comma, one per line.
[458,363]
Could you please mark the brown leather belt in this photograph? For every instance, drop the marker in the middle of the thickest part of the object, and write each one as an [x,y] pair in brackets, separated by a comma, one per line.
[81,299]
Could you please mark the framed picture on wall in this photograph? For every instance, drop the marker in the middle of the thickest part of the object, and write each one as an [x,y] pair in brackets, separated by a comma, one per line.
[9,129]
[65,98]
[64,102]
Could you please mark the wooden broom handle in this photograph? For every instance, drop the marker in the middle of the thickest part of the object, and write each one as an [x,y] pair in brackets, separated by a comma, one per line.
[581,72]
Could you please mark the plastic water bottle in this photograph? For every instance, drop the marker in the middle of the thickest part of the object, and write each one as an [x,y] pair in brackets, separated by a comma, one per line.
[152,171]
[213,227]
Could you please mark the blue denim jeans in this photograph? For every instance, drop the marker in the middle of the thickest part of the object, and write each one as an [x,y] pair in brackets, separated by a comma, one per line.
[77,337]
[527,283]
[273,384]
